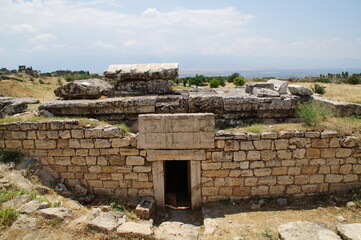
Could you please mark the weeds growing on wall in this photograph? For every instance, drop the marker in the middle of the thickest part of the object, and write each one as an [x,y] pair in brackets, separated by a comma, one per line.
[312,113]
[10,156]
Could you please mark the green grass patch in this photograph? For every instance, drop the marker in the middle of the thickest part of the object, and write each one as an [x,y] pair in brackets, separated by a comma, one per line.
[312,113]
[7,217]
[254,128]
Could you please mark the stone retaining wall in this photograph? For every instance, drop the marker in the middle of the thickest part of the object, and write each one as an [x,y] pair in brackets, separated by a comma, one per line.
[237,165]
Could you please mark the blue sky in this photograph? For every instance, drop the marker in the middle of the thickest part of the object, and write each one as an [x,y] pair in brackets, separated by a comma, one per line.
[204,35]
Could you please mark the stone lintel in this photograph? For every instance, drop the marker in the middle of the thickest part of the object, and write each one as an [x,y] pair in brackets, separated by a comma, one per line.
[166,155]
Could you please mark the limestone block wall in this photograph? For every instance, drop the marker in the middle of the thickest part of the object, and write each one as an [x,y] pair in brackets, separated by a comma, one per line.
[228,165]
[277,164]
[103,159]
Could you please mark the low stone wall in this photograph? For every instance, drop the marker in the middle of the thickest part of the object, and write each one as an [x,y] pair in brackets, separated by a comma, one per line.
[235,165]
[278,164]
[104,159]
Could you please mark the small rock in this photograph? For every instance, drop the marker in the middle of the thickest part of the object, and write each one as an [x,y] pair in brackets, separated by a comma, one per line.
[45,113]
[107,222]
[281,202]
[351,204]
[57,213]
[33,206]
[350,141]
[250,86]
[350,231]
[82,221]
[262,202]
[79,190]
[25,222]
[16,202]
[255,206]
[60,187]
[211,226]
[341,218]
[135,229]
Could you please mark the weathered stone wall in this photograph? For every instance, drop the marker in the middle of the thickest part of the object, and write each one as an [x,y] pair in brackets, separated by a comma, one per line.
[277,164]
[232,107]
[104,159]
[232,165]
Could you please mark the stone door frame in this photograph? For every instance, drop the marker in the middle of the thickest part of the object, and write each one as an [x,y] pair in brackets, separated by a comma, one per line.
[158,182]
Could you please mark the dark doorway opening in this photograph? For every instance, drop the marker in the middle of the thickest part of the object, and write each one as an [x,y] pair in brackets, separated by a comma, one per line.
[177,184]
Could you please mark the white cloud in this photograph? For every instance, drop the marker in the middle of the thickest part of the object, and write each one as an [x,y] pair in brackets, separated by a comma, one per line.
[22,28]
[129,43]
[101,44]
[42,38]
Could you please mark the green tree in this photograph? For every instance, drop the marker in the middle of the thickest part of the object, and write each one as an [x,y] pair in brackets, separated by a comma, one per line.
[239,81]
[214,83]
[232,77]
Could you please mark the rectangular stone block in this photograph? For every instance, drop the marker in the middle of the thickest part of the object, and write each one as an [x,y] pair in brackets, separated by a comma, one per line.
[176,131]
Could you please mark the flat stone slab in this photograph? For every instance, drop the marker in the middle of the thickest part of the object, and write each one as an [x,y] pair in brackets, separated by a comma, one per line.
[165,71]
[107,222]
[16,202]
[135,229]
[57,213]
[339,108]
[302,230]
[33,206]
[350,231]
[177,231]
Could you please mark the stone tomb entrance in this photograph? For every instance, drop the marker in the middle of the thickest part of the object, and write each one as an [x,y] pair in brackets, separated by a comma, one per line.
[175,146]
[177,184]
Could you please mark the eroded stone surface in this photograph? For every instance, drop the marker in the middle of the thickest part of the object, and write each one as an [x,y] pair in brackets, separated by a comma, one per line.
[279,85]
[135,229]
[177,231]
[33,206]
[107,221]
[16,202]
[25,222]
[300,90]
[11,105]
[350,231]
[302,230]
[57,213]
[176,131]
[83,89]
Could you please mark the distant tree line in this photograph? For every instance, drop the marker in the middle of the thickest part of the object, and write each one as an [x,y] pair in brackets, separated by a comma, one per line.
[214,81]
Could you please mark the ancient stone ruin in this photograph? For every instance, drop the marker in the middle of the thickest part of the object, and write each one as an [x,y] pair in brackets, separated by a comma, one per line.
[142,79]
[176,156]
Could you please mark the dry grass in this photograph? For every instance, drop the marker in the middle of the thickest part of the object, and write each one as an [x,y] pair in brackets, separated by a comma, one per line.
[27,88]
[346,126]
[341,92]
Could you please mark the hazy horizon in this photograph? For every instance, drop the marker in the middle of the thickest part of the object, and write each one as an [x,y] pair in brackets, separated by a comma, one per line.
[232,35]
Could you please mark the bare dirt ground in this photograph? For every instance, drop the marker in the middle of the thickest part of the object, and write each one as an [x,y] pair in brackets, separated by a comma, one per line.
[237,219]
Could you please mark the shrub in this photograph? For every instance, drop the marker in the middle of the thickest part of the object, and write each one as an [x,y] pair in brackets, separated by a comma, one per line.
[312,113]
[319,89]
[353,80]
[7,217]
[41,81]
[239,81]
[214,83]
[232,77]
[10,156]
[69,78]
